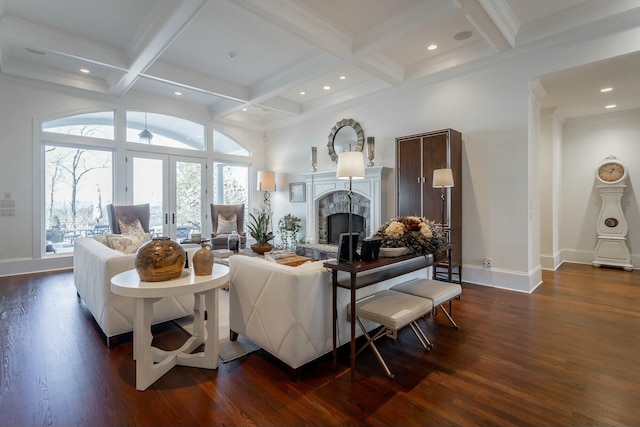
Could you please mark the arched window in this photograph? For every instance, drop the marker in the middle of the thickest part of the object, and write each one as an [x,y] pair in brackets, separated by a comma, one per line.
[164,131]
[91,125]
[222,144]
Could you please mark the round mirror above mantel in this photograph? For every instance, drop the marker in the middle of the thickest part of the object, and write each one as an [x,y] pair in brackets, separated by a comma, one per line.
[346,135]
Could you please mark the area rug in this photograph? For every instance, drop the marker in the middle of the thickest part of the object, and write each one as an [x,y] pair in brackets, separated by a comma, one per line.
[229,350]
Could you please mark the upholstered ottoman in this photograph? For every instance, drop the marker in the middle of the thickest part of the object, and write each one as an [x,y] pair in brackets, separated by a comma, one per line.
[436,291]
[393,310]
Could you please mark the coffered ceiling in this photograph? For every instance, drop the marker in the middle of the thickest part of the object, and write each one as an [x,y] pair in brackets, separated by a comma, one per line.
[265,62]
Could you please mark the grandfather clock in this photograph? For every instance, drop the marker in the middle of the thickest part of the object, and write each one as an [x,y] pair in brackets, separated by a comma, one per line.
[611,227]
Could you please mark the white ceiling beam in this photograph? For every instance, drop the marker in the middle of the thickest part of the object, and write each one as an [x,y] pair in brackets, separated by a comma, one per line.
[197,81]
[503,18]
[56,77]
[157,34]
[483,23]
[48,40]
[224,107]
[283,106]
[302,72]
[295,18]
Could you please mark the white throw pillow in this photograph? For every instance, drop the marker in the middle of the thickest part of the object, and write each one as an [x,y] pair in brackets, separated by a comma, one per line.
[130,227]
[226,226]
[126,243]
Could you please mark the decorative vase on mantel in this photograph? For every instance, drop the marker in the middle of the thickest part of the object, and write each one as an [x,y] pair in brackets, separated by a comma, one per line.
[203,260]
[159,259]
[261,249]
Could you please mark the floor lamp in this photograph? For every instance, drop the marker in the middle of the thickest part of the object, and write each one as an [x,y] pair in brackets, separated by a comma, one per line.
[350,166]
[442,178]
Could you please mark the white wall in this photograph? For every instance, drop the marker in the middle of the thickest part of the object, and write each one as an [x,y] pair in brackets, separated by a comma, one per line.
[494,129]
[491,108]
[585,143]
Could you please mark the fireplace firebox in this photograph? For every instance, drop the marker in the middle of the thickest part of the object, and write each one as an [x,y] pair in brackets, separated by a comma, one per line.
[339,223]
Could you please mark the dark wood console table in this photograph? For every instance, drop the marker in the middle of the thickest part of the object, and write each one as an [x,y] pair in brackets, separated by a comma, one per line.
[395,268]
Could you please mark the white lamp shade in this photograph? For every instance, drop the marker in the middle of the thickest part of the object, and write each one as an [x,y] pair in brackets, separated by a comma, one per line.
[442,178]
[266,181]
[350,165]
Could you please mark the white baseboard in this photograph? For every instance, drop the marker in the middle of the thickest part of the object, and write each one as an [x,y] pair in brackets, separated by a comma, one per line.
[504,279]
[17,266]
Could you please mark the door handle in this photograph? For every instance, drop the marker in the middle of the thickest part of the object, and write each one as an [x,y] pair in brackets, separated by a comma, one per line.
[166,218]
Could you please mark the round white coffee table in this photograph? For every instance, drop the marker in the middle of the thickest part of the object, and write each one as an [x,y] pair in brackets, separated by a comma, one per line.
[151,362]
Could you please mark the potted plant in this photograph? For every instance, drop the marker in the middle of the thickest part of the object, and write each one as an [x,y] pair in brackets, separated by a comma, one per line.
[288,228]
[259,229]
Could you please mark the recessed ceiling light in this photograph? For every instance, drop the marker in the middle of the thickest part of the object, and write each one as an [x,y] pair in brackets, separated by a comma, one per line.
[327,88]
[303,92]
[462,35]
[611,106]
[343,77]
[244,109]
[177,93]
[432,47]
[85,71]
[606,89]
[231,55]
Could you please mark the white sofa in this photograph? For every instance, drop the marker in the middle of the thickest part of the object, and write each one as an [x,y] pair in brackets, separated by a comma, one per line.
[94,264]
[287,310]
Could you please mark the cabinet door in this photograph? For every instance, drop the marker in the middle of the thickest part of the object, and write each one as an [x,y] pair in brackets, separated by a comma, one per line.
[435,157]
[409,176]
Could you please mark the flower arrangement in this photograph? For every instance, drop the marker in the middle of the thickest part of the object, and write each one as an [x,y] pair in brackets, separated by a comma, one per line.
[420,235]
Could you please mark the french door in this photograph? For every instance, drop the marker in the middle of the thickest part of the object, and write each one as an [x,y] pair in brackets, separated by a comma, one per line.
[174,187]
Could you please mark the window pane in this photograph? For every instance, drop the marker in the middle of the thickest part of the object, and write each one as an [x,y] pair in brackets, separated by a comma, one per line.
[231,185]
[188,198]
[166,131]
[224,145]
[94,125]
[148,188]
[78,186]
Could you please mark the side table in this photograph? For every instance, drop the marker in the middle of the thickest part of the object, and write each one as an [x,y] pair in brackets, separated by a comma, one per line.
[151,362]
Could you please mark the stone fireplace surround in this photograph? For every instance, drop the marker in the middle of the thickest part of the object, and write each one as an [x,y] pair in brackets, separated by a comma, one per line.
[367,191]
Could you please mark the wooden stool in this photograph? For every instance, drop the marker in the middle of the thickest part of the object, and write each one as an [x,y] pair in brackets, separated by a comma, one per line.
[436,291]
[393,310]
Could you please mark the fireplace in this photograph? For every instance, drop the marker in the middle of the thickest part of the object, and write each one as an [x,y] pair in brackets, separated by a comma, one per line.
[329,196]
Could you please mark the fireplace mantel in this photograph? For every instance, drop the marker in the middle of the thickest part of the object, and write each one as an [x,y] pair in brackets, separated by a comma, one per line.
[320,184]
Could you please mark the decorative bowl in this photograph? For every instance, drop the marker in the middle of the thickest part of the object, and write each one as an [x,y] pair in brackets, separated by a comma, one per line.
[393,252]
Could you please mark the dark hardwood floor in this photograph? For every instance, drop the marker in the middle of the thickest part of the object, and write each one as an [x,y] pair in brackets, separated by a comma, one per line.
[567,354]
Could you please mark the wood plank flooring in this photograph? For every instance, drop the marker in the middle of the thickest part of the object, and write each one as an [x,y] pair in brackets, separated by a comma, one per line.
[567,354]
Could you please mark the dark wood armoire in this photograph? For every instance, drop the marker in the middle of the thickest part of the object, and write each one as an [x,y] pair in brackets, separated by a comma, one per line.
[417,156]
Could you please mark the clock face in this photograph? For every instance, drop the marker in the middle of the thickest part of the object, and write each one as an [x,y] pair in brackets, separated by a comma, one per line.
[611,172]
[611,222]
